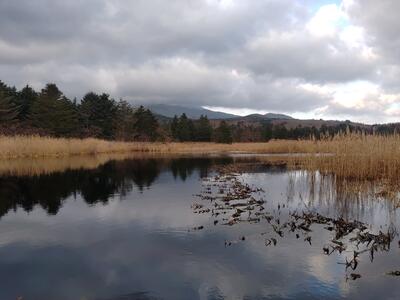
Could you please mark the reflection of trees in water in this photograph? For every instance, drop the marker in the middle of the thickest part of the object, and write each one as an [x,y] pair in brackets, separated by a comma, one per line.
[183,168]
[96,185]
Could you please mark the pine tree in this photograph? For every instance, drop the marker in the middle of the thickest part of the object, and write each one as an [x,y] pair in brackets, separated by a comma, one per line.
[174,128]
[145,125]
[124,122]
[54,113]
[185,130]
[98,114]
[8,110]
[223,133]
[267,131]
[203,130]
[25,100]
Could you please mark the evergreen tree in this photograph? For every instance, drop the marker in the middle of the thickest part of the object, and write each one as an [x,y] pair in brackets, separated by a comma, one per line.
[185,130]
[8,109]
[267,131]
[175,128]
[124,123]
[25,100]
[203,130]
[223,133]
[43,112]
[54,113]
[145,125]
[98,113]
[68,118]
[8,91]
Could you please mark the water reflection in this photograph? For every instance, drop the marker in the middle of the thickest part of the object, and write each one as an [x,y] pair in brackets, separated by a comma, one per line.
[120,231]
[95,185]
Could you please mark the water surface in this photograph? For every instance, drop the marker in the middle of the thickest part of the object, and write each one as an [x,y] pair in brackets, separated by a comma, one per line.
[123,230]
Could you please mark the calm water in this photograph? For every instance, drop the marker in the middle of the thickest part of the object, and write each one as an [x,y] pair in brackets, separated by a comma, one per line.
[122,231]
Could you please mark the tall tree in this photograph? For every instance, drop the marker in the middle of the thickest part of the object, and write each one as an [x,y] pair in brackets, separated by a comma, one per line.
[98,113]
[25,100]
[124,121]
[203,129]
[175,128]
[8,109]
[223,133]
[145,125]
[185,130]
[54,113]
[267,131]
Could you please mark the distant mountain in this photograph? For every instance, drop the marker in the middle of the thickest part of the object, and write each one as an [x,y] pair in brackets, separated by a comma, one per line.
[267,116]
[272,116]
[169,111]
[192,112]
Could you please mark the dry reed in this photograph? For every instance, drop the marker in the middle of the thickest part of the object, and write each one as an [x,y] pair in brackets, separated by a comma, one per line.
[348,156]
[37,147]
[357,157]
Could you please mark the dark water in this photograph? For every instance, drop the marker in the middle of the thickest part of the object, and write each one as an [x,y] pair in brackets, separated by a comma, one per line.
[121,231]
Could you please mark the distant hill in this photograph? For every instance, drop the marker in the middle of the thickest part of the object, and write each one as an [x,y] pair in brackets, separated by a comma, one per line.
[164,112]
[192,112]
[169,111]
[267,116]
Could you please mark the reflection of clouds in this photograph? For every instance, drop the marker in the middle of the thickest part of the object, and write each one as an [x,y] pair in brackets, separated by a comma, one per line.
[321,268]
[141,243]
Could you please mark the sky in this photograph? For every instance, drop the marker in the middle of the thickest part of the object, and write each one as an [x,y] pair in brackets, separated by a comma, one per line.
[309,59]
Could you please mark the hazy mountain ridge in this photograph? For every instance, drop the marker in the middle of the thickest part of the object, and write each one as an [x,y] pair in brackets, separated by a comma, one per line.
[170,111]
[191,112]
[165,112]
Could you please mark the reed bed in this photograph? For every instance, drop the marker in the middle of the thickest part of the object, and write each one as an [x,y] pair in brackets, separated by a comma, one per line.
[357,157]
[348,156]
[38,147]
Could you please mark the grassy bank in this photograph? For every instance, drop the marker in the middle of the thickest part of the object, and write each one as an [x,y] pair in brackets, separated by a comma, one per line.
[351,156]
[38,147]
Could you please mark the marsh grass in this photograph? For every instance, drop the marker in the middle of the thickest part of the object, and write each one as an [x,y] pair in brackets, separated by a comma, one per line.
[357,157]
[37,147]
[347,156]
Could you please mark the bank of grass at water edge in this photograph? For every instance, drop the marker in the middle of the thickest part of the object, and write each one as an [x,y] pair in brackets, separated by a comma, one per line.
[39,147]
[350,156]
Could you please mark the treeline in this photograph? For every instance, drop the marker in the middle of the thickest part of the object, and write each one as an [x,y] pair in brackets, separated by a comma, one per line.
[183,129]
[49,112]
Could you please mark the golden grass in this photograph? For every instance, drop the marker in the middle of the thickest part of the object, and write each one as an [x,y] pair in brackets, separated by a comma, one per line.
[348,156]
[37,147]
[49,165]
[357,157]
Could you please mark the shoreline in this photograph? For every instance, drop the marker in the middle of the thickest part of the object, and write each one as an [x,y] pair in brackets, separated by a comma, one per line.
[348,156]
[34,147]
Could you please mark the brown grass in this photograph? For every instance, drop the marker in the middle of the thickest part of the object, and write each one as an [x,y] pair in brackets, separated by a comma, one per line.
[357,157]
[348,156]
[37,147]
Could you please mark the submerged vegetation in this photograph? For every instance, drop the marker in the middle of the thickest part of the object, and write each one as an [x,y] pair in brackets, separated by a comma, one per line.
[231,201]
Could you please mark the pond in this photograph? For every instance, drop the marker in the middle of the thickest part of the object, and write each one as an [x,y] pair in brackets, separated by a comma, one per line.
[147,229]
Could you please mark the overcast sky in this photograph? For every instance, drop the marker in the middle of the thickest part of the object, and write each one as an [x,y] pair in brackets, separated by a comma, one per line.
[310,59]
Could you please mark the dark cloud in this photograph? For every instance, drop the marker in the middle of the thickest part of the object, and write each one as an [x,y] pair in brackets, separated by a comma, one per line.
[228,53]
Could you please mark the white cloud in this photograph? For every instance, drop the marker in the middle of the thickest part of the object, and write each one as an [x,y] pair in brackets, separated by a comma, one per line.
[326,21]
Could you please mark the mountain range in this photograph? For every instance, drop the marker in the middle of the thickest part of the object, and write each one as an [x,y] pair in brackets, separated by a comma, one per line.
[165,112]
[170,111]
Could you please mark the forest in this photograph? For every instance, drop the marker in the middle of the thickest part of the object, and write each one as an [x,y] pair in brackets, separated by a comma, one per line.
[50,113]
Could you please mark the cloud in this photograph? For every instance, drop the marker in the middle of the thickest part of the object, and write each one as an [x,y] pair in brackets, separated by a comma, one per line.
[229,53]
